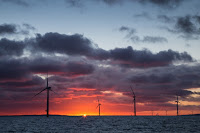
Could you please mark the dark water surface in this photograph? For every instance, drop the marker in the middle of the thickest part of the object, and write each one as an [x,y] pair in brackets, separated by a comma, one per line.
[103,124]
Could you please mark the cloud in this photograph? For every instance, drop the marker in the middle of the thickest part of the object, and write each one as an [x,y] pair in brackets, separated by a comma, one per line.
[112,2]
[143,15]
[12,29]
[160,3]
[79,69]
[17,2]
[75,3]
[154,39]
[187,27]
[11,47]
[25,67]
[130,31]
[197,18]
[131,35]
[166,19]
[60,67]
[164,83]
[60,43]
[77,45]
[33,82]
[144,58]
[13,69]
[163,3]
[8,29]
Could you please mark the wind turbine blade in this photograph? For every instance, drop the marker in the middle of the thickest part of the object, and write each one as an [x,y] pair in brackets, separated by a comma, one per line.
[53,91]
[132,90]
[39,92]
[97,106]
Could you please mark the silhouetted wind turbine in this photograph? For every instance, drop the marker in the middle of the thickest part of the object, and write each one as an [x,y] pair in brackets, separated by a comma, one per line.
[48,89]
[134,101]
[177,104]
[98,106]
[152,112]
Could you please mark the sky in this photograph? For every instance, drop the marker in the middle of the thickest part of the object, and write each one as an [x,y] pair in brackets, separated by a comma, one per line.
[98,49]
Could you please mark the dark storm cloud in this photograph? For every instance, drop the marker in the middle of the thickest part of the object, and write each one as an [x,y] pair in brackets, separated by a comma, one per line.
[154,78]
[157,85]
[153,85]
[8,29]
[23,68]
[60,43]
[32,82]
[79,68]
[164,83]
[13,69]
[77,45]
[17,2]
[172,77]
[59,67]
[131,35]
[11,47]
[145,58]
[97,71]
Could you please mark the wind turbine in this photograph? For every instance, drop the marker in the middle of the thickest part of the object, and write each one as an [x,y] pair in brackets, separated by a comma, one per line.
[134,101]
[48,88]
[177,104]
[98,106]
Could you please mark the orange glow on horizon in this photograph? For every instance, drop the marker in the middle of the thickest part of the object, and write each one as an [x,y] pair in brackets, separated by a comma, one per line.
[82,102]
[84,115]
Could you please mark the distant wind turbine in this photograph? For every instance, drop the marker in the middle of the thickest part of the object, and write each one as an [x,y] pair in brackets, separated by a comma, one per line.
[98,106]
[177,101]
[48,89]
[134,101]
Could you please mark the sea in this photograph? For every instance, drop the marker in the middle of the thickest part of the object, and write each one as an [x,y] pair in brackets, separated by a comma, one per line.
[100,124]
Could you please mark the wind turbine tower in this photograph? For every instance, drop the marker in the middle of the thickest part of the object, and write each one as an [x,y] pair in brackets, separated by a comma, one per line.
[134,101]
[99,107]
[48,89]
[177,104]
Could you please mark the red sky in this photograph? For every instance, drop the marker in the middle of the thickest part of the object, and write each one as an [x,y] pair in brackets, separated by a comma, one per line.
[80,104]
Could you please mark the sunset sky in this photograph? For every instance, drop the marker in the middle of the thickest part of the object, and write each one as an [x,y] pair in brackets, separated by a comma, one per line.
[97,49]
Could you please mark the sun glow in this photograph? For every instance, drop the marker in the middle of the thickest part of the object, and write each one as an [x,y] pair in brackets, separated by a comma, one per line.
[84,115]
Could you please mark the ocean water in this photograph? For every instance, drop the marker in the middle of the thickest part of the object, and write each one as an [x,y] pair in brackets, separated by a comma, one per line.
[103,124]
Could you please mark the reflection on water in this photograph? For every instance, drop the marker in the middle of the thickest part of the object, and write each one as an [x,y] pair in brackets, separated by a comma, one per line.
[62,124]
